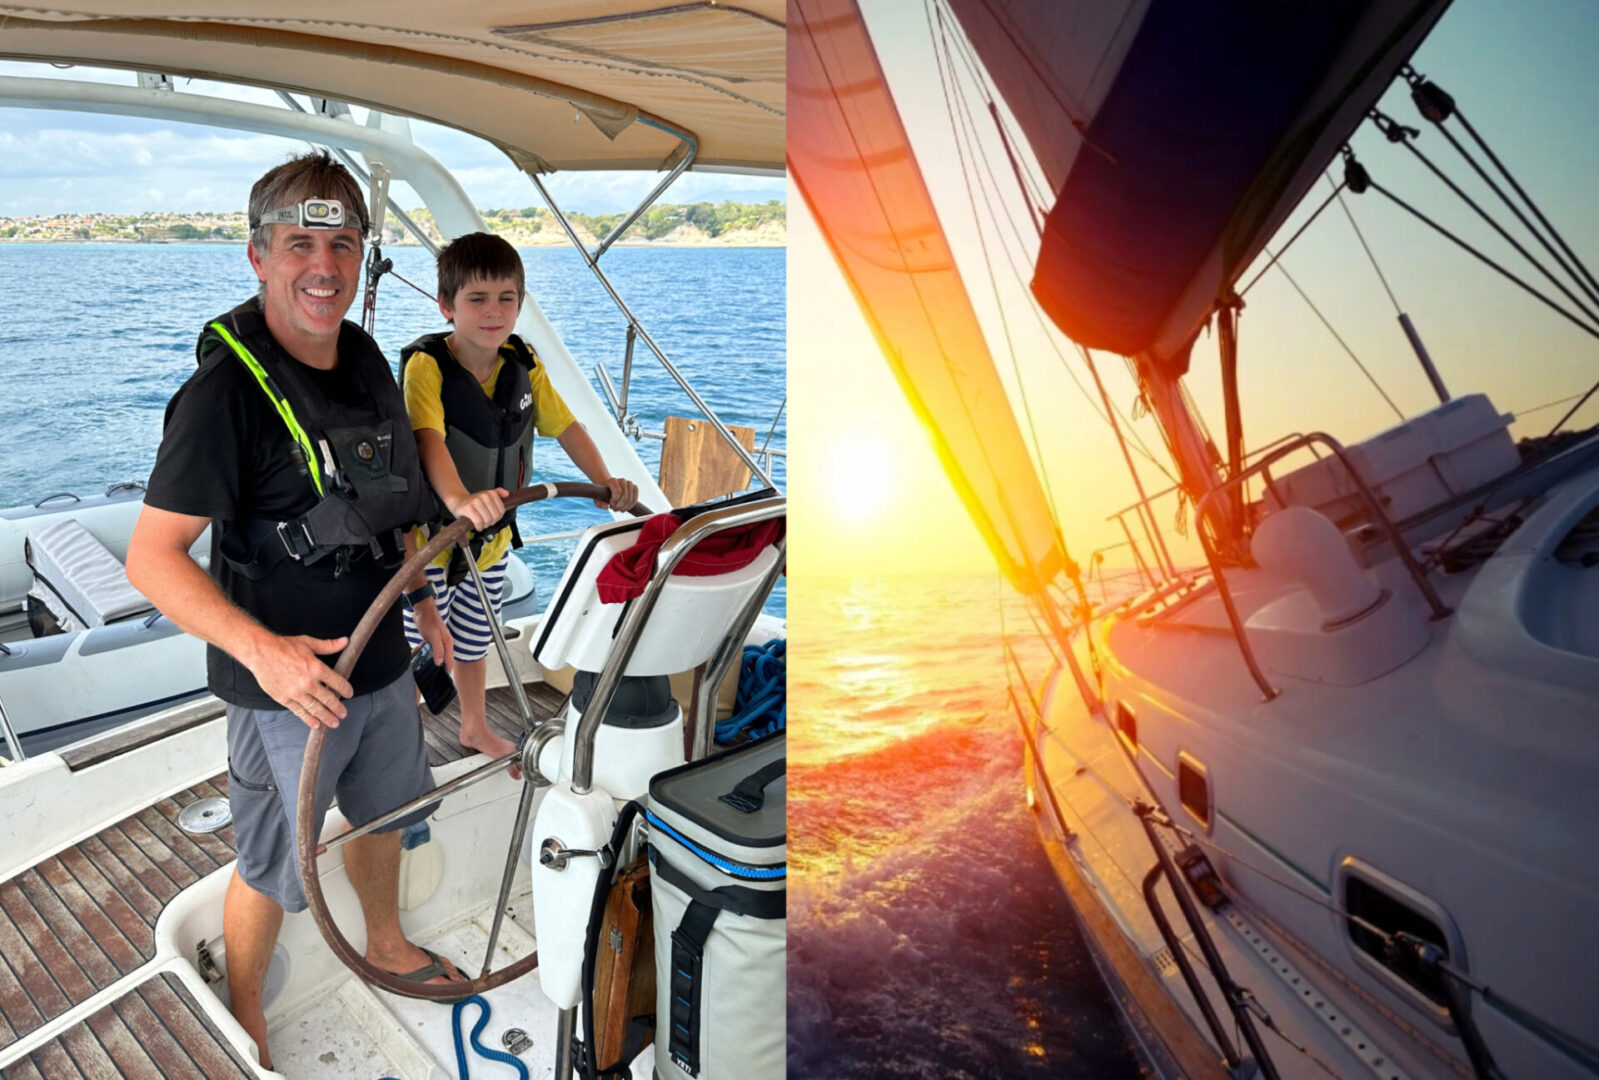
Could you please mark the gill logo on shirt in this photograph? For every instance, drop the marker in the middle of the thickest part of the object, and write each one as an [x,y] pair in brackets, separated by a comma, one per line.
[527,399]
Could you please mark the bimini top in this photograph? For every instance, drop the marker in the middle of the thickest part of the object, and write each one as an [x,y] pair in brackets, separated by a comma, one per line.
[560,84]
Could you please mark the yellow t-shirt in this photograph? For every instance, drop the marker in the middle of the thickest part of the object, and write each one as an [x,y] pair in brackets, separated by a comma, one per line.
[423,402]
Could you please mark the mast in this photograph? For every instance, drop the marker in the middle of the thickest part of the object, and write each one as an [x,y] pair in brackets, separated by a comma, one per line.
[1199,465]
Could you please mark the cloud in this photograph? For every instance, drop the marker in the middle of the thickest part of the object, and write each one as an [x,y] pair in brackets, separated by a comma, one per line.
[55,162]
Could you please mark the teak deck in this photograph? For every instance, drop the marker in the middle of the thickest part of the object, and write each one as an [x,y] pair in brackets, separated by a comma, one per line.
[441,732]
[155,1029]
[79,921]
[75,923]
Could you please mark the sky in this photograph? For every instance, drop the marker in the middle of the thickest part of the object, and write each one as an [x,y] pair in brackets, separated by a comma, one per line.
[1522,73]
[53,162]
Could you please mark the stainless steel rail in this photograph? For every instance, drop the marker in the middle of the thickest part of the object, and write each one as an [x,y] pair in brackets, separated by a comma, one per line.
[1263,465]
[638,612]
[593,260]
[12,743]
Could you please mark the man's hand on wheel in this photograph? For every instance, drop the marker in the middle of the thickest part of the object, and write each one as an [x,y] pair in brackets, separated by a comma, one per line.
[291,673]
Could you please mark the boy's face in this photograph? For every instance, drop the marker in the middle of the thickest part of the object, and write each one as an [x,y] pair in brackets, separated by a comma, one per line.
[484,311]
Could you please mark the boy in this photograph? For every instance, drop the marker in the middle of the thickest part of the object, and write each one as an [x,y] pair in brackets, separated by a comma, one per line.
[475,396]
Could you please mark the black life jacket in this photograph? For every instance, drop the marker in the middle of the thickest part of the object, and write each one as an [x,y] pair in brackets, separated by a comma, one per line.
[361,459]
[490,439]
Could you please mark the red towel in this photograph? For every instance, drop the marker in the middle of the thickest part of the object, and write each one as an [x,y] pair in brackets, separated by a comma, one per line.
[625,576]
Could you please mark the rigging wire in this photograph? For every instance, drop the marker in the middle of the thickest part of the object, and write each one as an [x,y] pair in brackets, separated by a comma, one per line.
[1297,234]
[964,51]
[1461,116]
[1035,189]
[1403,205]
[1397,132]
[957,472]
[946,76]
[1073,113]
[1361,236]
[1339,338]
[1437,105]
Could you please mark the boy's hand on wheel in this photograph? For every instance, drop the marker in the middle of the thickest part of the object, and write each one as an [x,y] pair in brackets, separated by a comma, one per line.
[624,493]
[482,508]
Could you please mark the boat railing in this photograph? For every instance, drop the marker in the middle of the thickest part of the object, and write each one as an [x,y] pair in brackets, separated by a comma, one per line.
[688,149]
[1157,567]
[1262,467]
[13,744]
[637,614]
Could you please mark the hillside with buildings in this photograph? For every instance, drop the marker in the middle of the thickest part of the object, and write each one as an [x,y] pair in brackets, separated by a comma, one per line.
[726,224]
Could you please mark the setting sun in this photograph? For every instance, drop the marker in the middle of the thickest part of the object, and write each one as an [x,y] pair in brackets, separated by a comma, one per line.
[860,477]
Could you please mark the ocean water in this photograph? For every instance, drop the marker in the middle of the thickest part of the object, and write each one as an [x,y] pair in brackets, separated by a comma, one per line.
[94,339]
[928,936]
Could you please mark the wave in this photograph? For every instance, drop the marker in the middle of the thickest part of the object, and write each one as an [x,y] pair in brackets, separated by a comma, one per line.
[927,934]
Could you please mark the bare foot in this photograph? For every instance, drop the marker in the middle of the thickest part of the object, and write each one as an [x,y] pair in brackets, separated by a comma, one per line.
[485,741]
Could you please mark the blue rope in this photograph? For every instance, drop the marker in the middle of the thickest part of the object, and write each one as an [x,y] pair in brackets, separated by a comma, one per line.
[483,1051]
[762,704]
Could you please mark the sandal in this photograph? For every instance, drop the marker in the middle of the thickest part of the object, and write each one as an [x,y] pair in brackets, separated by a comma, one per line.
[433,969]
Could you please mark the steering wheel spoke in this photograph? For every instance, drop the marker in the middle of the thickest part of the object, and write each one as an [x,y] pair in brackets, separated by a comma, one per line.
[308,846]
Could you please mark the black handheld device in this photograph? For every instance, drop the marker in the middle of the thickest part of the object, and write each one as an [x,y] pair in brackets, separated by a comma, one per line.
[438,689]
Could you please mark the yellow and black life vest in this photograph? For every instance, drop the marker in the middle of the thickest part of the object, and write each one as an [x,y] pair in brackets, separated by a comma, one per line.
[490,439]
[360,458]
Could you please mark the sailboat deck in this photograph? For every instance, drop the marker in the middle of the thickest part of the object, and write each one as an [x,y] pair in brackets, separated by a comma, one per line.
[441,732]
[80,920]
[155,1029]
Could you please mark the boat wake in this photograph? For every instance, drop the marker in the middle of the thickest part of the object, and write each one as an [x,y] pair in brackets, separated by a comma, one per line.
[927,935]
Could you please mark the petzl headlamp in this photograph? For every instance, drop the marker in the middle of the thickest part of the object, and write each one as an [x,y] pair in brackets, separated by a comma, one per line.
[310,214]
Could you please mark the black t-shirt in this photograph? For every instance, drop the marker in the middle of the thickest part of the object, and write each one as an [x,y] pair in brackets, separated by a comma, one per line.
[226,454]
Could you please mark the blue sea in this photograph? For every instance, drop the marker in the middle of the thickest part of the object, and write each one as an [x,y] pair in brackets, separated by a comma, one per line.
[94,339]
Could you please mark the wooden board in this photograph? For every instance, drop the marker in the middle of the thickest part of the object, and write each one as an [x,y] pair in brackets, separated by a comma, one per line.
[77,922]
[696,464]
[156,1029]
[98,748]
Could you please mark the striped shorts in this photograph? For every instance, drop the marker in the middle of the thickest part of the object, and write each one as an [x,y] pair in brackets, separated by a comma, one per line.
[461,608]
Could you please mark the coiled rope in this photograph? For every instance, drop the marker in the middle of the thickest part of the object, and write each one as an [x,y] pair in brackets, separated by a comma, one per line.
[762,704]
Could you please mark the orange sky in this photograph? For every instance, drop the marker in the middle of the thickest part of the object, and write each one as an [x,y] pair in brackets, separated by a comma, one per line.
[857,433]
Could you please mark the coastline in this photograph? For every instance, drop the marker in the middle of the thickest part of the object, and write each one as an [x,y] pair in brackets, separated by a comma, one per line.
[517,242]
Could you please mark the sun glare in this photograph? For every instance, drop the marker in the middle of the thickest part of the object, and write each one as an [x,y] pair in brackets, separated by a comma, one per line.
[861,477]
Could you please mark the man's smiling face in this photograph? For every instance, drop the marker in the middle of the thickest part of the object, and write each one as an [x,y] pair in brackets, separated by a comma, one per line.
[309,278]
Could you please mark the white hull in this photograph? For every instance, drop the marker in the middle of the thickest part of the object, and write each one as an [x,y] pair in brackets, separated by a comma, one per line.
[1460,779]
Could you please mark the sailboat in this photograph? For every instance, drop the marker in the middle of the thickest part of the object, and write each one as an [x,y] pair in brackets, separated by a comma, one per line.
[115,850]
[1320,802]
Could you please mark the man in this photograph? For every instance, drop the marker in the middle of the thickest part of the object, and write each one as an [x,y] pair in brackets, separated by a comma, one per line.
[291,440]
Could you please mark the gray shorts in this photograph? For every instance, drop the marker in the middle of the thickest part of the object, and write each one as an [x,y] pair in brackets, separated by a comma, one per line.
[374,760]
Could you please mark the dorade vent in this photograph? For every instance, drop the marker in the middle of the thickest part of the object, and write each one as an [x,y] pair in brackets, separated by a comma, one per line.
[1127,724]
[1193,788]
[1381,906]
